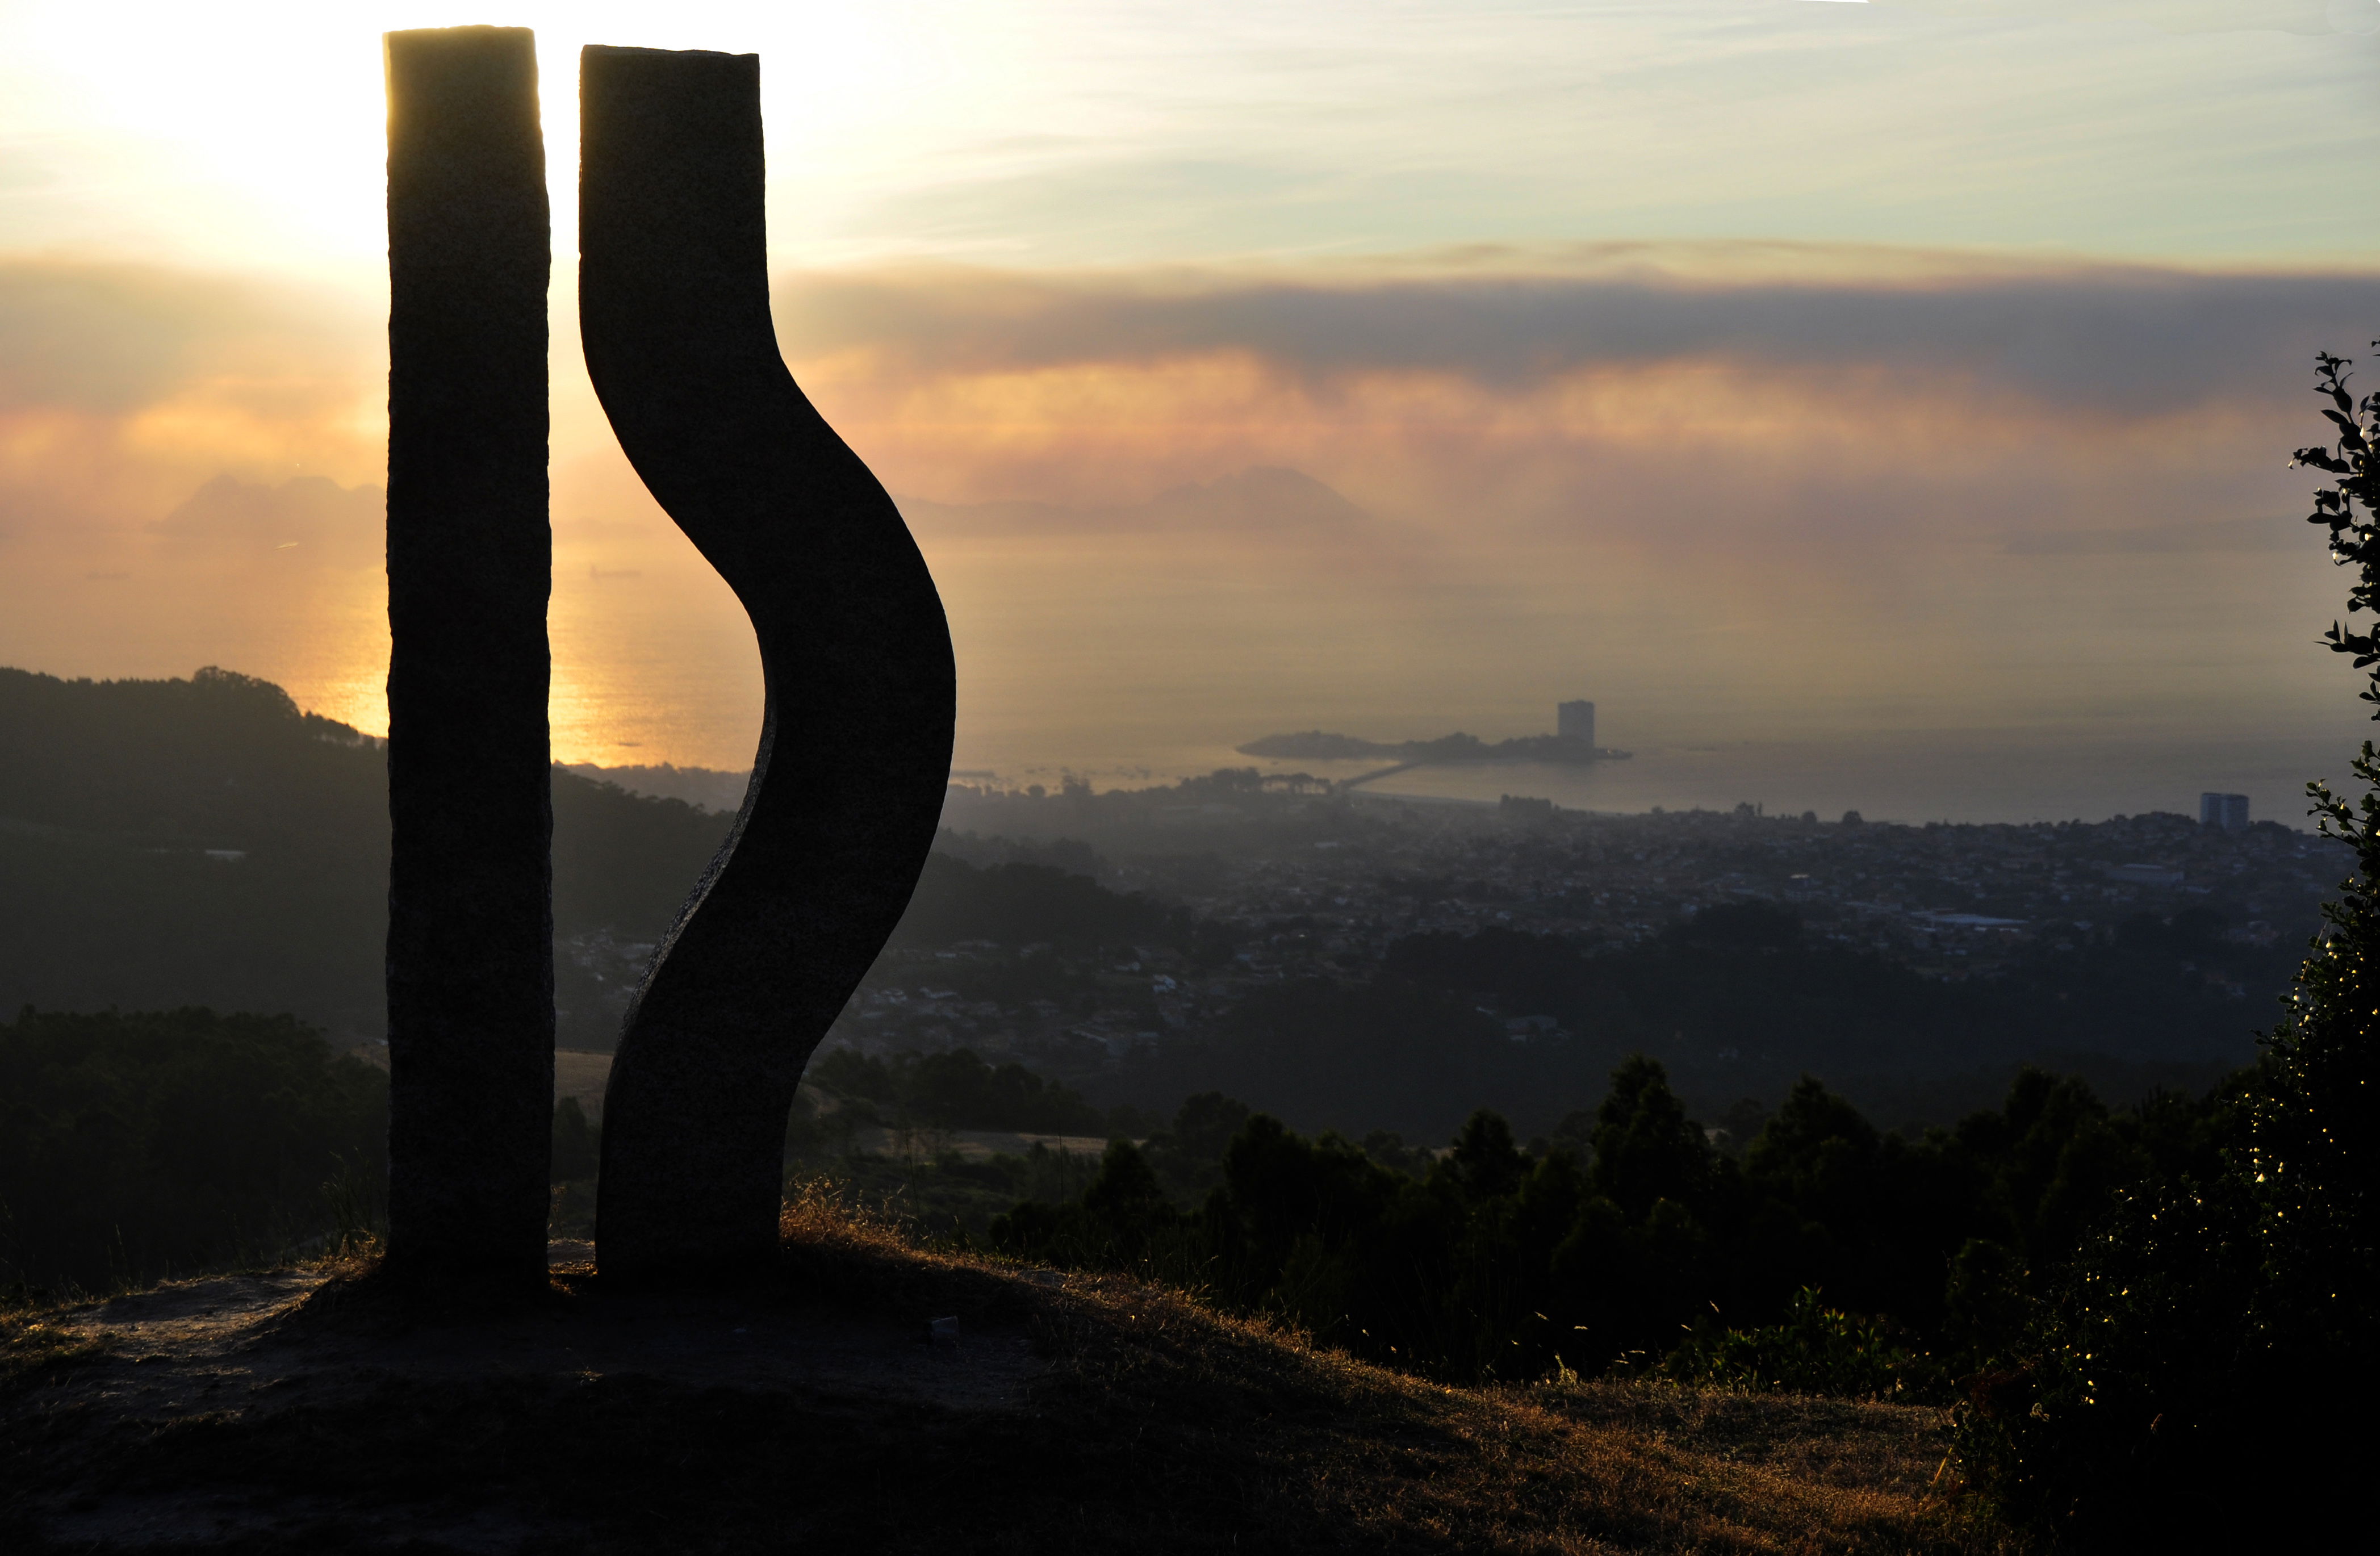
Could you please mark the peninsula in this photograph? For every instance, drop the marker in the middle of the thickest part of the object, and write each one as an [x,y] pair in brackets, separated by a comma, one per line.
[1318,746]
[1573,743]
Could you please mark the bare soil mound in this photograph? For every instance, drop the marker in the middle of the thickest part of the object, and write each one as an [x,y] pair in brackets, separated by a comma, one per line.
[293,1410]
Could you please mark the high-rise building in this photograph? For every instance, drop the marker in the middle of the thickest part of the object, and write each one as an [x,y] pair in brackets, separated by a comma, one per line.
[1575,721]
[2227,811]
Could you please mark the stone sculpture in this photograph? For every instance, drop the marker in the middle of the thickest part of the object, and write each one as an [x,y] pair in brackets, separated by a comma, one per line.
[471,935]
[854,747]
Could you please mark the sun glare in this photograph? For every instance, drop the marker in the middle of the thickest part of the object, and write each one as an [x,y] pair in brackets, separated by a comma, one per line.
[258,129]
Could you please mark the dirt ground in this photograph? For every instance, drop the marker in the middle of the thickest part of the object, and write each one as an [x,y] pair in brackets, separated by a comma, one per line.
[193,1352]
[307,1410]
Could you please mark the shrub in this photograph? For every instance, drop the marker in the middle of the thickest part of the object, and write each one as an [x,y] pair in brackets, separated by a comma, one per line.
[1816,1350]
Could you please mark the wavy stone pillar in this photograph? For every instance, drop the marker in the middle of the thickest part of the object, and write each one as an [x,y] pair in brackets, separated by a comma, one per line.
[470,921]
[854,747]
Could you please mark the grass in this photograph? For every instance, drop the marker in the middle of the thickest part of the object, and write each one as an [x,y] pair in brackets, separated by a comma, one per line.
[941,1194]
[1150,1423]
[935,1193]
[35,1349]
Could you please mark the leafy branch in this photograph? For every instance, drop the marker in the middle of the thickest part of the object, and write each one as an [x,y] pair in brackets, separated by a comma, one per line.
[2350,508]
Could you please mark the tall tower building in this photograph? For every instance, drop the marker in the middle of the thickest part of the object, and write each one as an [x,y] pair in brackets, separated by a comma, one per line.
[2227,811]
[1575,721]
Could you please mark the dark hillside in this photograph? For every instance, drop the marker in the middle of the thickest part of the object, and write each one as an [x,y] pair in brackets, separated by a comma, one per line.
[187,843]
[135,1146]
[176,843]
[623,861]
[203,843]
[167,843]
[220,760]
[1737,1003]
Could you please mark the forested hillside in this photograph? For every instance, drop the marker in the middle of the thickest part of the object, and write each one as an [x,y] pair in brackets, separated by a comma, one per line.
[203,843]
[138,1147]
[1737,1002]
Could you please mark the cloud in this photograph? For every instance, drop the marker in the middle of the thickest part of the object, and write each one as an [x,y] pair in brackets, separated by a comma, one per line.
[1730,484]
[2227,535]
[2126,341]
[184,460]
[1712,401]
[123,387]
[2308,17]
[110,338]
[1264,501]
[1740,486]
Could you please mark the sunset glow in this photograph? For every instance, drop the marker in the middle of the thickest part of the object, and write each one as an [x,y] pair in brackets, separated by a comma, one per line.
[1767,370]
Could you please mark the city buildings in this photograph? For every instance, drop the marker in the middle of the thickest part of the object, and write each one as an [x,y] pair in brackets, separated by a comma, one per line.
[1284,886]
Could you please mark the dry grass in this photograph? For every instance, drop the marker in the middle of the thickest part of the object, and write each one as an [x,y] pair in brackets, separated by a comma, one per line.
[1250,1421]
[33,1349]
[1138,1420]
[1321,1448]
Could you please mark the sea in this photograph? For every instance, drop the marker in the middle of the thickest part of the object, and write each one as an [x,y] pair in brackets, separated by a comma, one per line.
[1913,778]
[1107,679]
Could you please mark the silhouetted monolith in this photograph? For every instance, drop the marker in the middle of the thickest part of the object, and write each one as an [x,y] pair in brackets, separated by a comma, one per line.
[470,931]
[854,747]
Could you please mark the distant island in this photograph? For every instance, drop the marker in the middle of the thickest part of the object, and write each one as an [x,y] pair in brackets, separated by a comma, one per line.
[1316,746]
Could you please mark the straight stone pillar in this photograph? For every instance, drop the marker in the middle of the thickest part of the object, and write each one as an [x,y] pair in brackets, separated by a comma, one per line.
[470,563]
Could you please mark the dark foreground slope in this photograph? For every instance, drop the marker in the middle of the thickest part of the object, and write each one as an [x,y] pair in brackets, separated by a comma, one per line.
[297,1410]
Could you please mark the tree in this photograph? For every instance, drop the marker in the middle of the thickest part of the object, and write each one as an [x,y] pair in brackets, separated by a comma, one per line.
[2197,1378]
[1646,1147]
[2314,1122]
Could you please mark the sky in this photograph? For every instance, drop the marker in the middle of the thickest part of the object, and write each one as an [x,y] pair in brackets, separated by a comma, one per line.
[1913,382]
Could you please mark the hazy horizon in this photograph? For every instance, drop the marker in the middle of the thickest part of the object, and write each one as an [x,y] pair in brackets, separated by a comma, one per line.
[1887,400]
